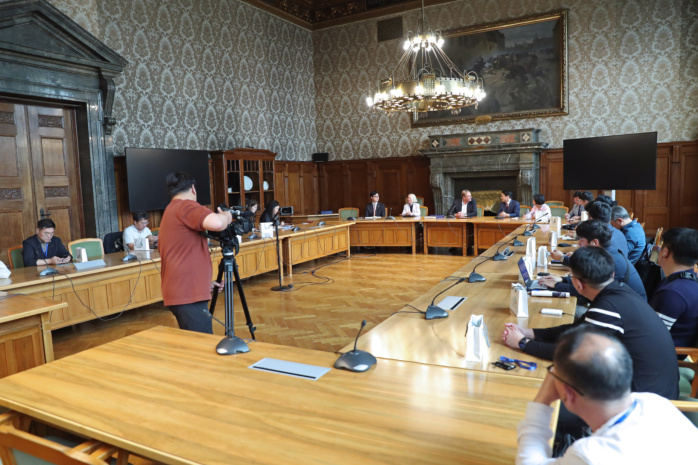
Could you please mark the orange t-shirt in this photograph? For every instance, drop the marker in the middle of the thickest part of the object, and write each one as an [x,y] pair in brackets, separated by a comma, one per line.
[186,262]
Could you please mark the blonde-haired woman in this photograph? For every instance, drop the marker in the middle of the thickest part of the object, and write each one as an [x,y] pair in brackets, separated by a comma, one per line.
[411,206]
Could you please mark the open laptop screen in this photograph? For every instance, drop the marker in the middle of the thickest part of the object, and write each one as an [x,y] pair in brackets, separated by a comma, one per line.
[524,271]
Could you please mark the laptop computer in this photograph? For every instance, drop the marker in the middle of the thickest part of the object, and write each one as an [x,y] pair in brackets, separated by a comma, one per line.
[530,284]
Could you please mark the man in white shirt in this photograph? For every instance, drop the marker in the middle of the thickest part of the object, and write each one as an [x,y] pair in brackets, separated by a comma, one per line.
[591,374]
[136,234]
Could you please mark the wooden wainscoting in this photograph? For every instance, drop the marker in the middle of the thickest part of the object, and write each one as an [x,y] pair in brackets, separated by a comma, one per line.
[313,187]
[672,204]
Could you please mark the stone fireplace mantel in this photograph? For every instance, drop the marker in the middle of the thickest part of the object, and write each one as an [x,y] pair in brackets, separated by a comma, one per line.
[457,158]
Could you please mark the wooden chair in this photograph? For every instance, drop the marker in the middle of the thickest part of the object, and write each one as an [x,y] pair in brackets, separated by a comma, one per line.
[155,231]
[345,213]
[523,209]
[13,438]
[555,203]
[94,246]
[15,255]
[688,384]
[559,211]
[424,211]
[480,210]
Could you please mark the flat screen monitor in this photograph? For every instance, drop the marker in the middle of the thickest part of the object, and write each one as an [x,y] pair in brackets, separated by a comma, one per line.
[612,162]
[146,170]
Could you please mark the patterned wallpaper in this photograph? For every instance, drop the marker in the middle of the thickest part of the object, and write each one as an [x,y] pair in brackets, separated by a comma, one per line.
[633,67]
[199,69]
[200,72]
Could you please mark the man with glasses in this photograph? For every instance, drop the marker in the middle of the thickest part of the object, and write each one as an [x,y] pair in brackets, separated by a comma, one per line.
[592,374]
[619,310]
[374,207]
[136,234]
[44,248]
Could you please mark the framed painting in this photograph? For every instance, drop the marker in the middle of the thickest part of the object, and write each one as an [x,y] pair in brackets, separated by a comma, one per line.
[523,64]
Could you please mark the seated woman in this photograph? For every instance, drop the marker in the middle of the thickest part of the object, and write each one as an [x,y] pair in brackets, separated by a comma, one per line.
[249,214]
[271,211]
[539,209]
[411,207]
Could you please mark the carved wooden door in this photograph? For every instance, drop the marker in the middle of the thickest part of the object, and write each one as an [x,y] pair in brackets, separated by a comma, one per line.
[38,171]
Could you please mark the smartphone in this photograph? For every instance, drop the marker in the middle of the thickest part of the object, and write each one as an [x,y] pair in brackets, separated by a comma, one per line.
[504,365]
[556,262]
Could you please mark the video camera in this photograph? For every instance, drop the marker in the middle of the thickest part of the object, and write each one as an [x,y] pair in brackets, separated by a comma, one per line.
[239,226]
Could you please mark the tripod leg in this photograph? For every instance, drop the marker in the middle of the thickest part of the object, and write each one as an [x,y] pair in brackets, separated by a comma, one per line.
[214,297]
[243,300]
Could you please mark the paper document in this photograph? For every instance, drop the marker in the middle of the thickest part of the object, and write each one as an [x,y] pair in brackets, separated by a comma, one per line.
[451,302]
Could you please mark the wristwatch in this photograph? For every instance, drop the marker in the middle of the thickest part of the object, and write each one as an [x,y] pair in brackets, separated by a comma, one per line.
[523,342]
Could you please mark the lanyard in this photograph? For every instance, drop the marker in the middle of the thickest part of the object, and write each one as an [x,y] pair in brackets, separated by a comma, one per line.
[520,363]
[44,249]
[625,415]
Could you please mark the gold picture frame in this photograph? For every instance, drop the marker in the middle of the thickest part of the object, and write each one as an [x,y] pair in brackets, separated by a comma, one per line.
[523,63]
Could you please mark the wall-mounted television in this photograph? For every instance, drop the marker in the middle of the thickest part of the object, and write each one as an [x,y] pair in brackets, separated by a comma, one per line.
[146,170]
[621,162]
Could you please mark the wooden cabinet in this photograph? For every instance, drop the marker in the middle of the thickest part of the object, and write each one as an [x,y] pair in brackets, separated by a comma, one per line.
[243,174]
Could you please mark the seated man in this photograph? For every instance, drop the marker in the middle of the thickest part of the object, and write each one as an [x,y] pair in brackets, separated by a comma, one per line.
[606,199]
[676,298]
[136,234]
[374,207]
[465,207]
[632,230]
[577,208]
[44,248]
[508,208]
[584,199]
[618,309]
[602,211]
[594,233]
[592,375]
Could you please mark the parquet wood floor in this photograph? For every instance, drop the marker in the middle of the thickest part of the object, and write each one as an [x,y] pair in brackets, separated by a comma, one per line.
[321,313]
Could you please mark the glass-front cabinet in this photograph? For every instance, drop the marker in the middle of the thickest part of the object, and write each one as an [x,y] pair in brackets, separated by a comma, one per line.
[243,174]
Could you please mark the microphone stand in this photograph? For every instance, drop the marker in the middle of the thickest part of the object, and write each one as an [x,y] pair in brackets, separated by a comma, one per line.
[280,287]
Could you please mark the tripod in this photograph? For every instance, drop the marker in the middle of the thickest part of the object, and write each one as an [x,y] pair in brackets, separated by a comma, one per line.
[280,287]
[231,344]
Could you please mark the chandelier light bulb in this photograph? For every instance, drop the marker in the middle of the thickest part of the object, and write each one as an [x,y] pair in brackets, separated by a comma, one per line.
[440,42]
[369,101]
[419,90]
[406,45]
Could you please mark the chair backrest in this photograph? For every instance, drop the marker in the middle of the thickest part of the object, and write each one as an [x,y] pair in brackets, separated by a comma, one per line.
[654,254]
[558,211]
[345,213]
[15,255]
[523,209]
[555,203]
[420,200]
[155,231]
[114,242]
[94,247]
[480,210]
[424,211]
[13,439]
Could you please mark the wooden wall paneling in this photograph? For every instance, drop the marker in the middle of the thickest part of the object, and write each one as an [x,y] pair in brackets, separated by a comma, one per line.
[391,185]
[361,181]
[333,195]
[685,186]
[309,188]
[17,206]
[655,211]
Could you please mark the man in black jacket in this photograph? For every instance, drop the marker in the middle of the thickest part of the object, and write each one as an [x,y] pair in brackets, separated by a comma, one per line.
[622,312]
[465,207]
[44,248]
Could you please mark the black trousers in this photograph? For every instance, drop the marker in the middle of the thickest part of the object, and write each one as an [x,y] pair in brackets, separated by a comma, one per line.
[193,317]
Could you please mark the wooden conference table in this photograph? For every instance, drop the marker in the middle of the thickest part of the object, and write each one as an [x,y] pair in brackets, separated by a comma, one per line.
[478,232]
[120,286]
[25,332]
[409,337]
[166,395]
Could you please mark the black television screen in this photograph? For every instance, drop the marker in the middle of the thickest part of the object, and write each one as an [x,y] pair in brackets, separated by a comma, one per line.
[146,170]
[612,162]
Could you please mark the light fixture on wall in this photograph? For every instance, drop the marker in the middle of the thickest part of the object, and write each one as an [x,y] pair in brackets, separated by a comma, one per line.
[425,79]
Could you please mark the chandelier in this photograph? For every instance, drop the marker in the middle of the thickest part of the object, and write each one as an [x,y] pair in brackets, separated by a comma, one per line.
[425,79]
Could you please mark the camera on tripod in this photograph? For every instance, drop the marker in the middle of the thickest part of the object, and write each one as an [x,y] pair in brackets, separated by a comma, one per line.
[239,226]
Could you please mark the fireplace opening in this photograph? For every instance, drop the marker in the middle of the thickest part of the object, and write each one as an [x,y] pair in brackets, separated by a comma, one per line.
[486,189]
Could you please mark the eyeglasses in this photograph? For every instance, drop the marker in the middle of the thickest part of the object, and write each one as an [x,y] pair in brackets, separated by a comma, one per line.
[550,370]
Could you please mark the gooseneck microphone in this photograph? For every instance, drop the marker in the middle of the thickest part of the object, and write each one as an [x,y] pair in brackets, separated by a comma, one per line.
[356,360]
[390,216]
[528,232]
